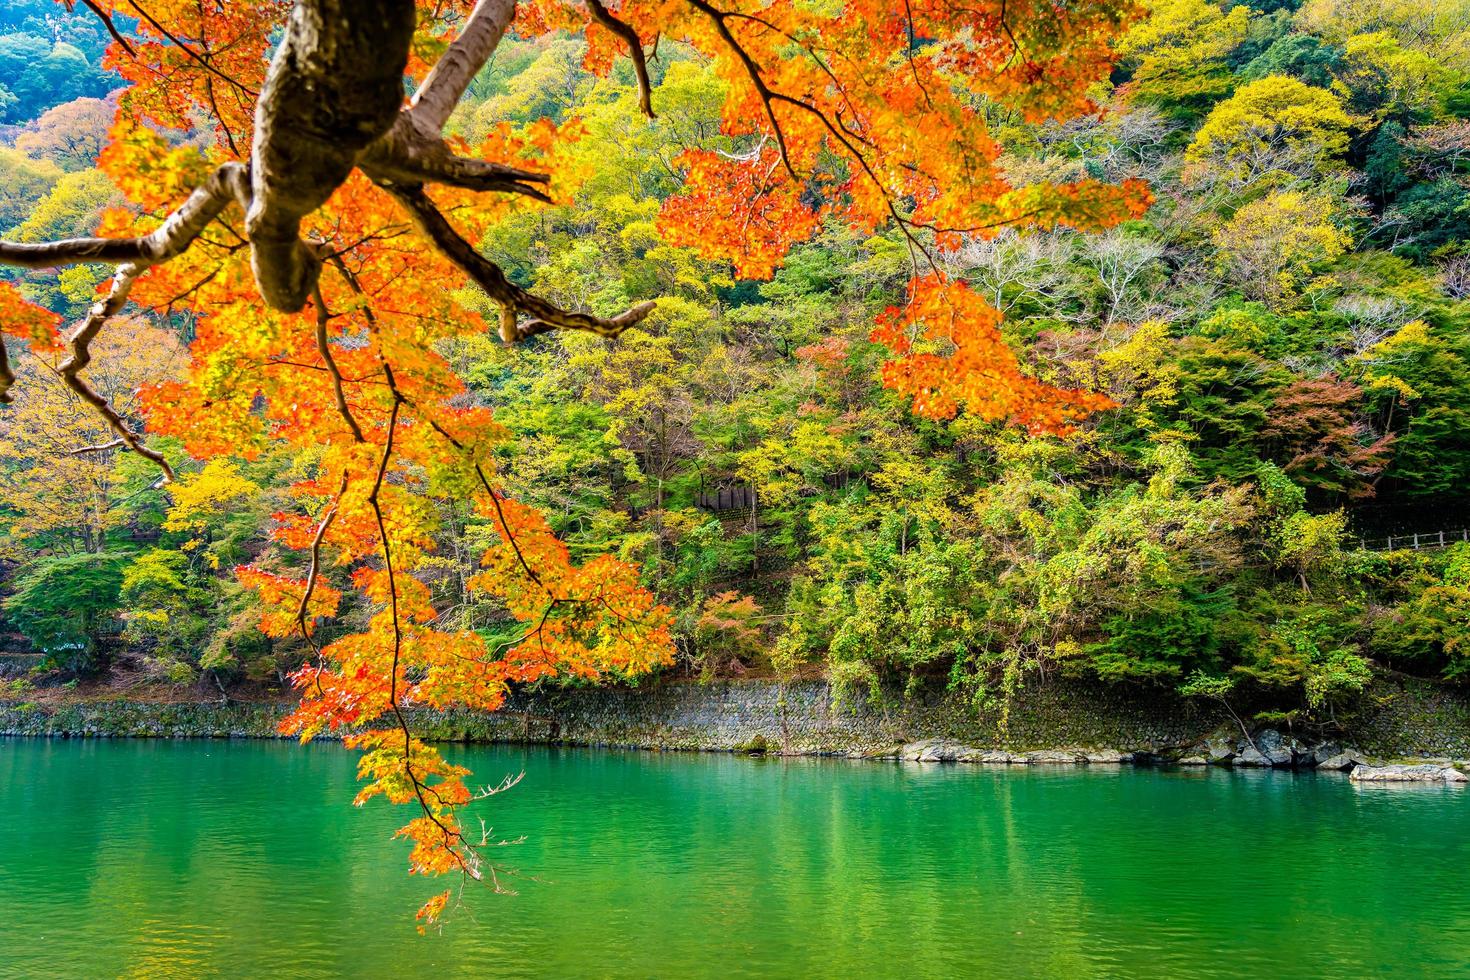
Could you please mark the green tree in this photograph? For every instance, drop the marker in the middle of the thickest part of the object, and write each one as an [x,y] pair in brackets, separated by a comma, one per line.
[66,604]
[165,605]
[1430,631]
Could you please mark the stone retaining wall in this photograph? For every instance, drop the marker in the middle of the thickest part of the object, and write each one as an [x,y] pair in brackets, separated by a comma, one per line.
[1402,719]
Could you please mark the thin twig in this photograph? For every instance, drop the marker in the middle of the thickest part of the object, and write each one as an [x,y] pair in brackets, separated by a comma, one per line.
[106,19]
[311,578]
[71,369]
[325,349]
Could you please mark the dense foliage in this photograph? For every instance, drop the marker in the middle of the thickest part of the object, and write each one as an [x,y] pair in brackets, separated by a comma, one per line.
[1215,389]
[1283,333]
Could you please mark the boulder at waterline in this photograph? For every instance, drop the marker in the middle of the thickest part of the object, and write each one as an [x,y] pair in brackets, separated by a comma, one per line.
[1273,746]
[1406,774]
[1060,757]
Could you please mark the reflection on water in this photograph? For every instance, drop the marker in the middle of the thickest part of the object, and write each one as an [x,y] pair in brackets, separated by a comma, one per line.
[146,859]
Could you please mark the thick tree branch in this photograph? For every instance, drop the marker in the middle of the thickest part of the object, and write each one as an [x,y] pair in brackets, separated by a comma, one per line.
[413,151]
[489,277]
[226,185]
[446,84]
[334,87]
[331,102]
[635,51]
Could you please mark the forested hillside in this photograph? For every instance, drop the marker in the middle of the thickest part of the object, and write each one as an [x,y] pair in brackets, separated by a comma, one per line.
[1282,340]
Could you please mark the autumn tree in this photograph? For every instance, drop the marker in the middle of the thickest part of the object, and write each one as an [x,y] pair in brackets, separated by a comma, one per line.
[727,632]
[22,181]
[70,135]
[1273,245]
[59,473]
[319,231]
[1274,127]
[1325,440]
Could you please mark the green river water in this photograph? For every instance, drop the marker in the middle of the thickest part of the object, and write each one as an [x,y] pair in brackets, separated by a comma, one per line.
[244,859]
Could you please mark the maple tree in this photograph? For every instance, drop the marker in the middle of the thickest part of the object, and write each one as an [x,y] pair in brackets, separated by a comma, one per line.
[729,628]
[318,207]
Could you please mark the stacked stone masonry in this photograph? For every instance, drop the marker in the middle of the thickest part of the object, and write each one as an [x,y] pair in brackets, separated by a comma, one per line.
[1060,721]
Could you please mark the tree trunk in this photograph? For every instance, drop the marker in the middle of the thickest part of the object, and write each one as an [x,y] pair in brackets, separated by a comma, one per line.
[334,87]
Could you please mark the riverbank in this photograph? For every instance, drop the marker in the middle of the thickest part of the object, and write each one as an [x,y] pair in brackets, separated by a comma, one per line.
[1057,722]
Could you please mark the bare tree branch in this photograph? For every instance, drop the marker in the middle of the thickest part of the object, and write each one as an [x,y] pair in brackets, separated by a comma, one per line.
[635,51]
[226,185]
[71,369]
[839,131]
[489,277]
[753,72]
[311,579]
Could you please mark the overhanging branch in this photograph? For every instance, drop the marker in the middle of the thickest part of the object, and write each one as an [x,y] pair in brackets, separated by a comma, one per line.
[331,103]
[226,185]
[80,341]
[513,300]
[629,37]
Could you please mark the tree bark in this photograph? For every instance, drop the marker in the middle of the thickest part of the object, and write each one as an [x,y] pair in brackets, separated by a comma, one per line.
[334,88]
